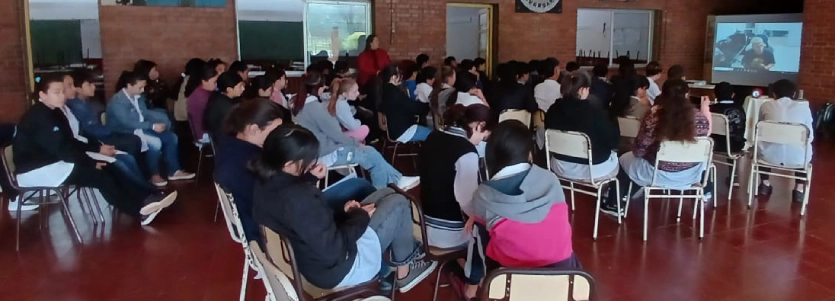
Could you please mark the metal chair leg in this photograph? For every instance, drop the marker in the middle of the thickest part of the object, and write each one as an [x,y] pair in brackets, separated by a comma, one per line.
[96,202]
[199,165]
[244,279]
[81,193]
[69,216]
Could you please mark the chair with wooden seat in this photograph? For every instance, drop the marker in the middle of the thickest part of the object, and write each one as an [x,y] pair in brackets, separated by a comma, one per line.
[279,252]
[44,195]
[442,256]
[539,284]
[578,145]
[391,142]
[721,127]
[785,133]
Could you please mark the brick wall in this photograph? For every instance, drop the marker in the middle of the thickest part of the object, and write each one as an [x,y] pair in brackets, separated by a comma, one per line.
[817,60]
[169,36]
[12,78]
[419,26]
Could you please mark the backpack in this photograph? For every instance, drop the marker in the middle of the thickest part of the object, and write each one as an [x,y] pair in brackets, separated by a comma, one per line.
[823,120]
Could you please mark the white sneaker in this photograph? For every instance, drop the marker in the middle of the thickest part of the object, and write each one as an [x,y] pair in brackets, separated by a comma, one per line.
[181,175]
[407,183]
[147,219]
[25,207]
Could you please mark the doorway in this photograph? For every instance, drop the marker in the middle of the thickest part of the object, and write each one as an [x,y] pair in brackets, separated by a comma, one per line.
[469,32]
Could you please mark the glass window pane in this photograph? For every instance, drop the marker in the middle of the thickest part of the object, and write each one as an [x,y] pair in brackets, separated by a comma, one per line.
[336,26]
[271,31]
[594,36]
[631,35]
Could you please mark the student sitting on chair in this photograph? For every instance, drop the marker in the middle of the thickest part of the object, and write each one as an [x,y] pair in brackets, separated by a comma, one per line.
[400,111]
[230,88]
[736,122]
[342,92]
[198,90]
[784,109]
[334,248]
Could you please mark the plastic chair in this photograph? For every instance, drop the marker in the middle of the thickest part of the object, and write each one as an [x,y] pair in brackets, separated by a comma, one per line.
[700,151]
[9,169]
[280,253]
[786,133]
[578,145]
[721,127]
[540,284]
[442,256]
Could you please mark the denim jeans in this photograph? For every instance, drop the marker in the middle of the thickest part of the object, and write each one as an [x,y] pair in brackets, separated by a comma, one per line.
[392,222]
[421,133]
[167,148]
[382,173]
[127,165]
[352,189]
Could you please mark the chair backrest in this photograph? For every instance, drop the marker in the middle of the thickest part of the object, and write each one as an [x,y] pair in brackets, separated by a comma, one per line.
[537,285]
[230,214]
[789,133]
[280,253]
[418,220]
[196,137]
[521,115]
[383,123]
[629,126]
[721,127]
[568,143]
[278,286]
[8,165]
[700,151]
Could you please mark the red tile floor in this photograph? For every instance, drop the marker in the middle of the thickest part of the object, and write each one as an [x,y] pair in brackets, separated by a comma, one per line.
[769,253]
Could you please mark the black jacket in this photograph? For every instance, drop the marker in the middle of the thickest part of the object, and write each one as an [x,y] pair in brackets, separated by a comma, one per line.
[438,185]
[324,241]
[736,123]
[400,111]
[572,114]
[513,96]
[217,108]
[602,90]
[44,137]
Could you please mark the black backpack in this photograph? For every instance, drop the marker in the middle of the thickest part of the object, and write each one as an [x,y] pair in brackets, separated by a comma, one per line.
[823,122]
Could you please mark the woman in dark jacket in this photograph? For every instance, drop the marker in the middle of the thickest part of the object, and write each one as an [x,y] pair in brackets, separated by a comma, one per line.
[575,113]
[400,111]
[333,249]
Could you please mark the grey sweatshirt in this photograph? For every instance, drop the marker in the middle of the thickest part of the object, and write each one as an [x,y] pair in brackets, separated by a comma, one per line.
[525,197]
[315,117]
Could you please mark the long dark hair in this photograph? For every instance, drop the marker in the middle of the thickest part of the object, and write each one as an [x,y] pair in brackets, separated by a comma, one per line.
[675,113]
[287,143]
[228,80]
[129,78]
[193,66]
[259,112]
[312,82]
[509,143]
[261,82]
[438,86]
[144,67]
[196,79]
[461,116]
[575,81]
[369,40]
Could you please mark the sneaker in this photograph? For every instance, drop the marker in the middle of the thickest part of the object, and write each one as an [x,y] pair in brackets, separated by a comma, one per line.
[418,270]
[147,219]
[407,183]
[181,175]
[386,285]
[13,206]
[156,202]
[797,195]
[158,181]
[613,209]
[765,190]
[707,197]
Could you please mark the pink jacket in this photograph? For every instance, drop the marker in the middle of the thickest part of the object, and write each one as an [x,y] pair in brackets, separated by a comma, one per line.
[516,244]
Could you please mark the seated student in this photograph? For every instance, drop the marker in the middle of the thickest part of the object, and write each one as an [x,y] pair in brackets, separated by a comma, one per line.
[452,170]
[337,148]
[230,87]
[468,93]
[442,89]
[601,88]
[639,102]
[451,61]
[156,91]
[653,74]
[400,111]
[127,114]
[342,92]
[198,89]
[334,248]
[572,66]
[410,72]
[422,61]
[468,66]
[673,118]
[481,70]
[676,72]
[239,68]
[549,90]
[426,80]
[248,125]
[522,207]
[574,112]
[279,96]
[193,66]
[89,118]
[512,92]
[736,122]
[784,109]
[47,154]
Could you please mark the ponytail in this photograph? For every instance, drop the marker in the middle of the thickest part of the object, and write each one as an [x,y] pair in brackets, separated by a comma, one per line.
[438,86]
[335,91]
[312,82]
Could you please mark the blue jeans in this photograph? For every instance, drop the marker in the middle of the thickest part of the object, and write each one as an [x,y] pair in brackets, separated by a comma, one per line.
[421,133]
[350,190]
[382,173]
[167,148]
[127,165]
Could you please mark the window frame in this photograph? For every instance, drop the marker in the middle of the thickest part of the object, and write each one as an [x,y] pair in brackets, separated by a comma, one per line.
[305,24]
[651,14]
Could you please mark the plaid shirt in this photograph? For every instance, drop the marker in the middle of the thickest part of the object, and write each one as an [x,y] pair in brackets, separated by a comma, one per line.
[646,144]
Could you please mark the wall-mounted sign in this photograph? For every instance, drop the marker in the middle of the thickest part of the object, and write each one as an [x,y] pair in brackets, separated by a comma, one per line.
[180,3]
[539,6]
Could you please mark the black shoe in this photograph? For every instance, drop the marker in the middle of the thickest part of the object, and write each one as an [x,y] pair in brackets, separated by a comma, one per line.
[386,284]
[765,190]
[798,195]
[612,209]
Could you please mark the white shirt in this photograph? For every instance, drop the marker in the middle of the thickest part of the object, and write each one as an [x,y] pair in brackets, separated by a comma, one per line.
[786,110]
[134,100]
[422,91]
[466,99]
[653,91]
[547,93]
[511,170]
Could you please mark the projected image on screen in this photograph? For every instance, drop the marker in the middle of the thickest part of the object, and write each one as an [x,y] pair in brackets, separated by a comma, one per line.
[756,53]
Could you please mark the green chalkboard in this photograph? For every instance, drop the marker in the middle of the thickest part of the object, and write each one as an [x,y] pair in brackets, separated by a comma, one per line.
[56,42]
[266,40]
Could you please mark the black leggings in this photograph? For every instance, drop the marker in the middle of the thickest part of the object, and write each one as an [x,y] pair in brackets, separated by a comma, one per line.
[116,189]
[764,177]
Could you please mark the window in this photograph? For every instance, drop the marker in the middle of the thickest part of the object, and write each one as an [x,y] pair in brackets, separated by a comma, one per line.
[336,28]
[606,34]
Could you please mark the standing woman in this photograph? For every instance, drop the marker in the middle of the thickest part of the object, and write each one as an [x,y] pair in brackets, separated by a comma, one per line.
[156,92]
[198,89]
[371,61]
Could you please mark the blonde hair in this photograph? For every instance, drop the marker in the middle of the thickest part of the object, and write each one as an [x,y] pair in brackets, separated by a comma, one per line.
[339,87]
